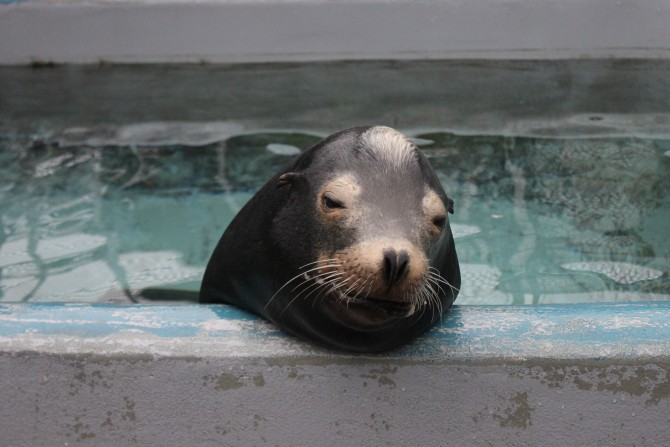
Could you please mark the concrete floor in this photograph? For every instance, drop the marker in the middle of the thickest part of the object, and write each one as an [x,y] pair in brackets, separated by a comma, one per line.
[198,375]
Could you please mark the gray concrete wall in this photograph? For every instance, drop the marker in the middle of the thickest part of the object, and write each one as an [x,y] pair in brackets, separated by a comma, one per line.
[596,375]
[132,400]
[87,31]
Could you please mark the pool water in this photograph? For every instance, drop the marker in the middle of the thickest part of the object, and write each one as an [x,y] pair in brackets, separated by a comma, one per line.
[536,220]
[95,209]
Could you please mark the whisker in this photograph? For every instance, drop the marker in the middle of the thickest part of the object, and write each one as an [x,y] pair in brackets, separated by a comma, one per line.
[370,286]
[291,280]
[427,301]
[327,288]
[321,288]
[326,279]
[303,291]
[438,302]
[340,284]
[434,282]
[439,278]
[321,296]
[363,286]
[316,262]
[323,280]
[351,287]
[320,277]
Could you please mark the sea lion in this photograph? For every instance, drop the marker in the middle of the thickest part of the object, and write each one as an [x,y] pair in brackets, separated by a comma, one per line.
[348,246]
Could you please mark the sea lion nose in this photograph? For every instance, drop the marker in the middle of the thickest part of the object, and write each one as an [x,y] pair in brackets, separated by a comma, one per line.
[395,266]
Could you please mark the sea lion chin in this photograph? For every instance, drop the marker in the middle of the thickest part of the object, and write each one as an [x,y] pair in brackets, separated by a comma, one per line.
[348,246]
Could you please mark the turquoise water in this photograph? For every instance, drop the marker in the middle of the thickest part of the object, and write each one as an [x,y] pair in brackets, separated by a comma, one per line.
[85,218]
[115,179]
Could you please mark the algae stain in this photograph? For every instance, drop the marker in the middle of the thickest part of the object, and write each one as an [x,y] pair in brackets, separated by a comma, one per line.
[518,414]
[108,421]
[228,382]
[582,384]
[381,376]
[378,424]
[223,430]
[258,419]
[129,414]
[80,430]
[294,374]
[659,392]
[258,380]
[651,380]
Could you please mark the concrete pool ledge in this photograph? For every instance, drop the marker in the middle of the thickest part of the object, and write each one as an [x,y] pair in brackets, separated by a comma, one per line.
[622,332]
[592,374]
[233,31]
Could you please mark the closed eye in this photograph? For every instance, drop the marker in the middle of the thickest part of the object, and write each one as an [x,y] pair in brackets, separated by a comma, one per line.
[440,222]
[332,204]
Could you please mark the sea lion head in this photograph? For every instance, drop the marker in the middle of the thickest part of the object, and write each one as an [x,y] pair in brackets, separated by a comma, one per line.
[358,252]
[378,228]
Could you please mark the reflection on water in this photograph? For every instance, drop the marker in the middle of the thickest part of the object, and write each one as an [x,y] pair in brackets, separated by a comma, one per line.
[95,214]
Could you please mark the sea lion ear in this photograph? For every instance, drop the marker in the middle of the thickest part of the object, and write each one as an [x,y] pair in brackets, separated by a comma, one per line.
[450,206]
[287,179]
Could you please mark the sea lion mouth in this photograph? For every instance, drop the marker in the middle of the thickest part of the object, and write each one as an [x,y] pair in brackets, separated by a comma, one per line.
[368,311]
[393,308]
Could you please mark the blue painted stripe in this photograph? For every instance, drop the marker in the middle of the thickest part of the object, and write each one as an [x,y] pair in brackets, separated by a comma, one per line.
[593,331]
[101,319]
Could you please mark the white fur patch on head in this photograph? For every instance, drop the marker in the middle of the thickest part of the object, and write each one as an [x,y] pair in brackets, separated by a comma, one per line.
[432,204]
[390,145]
[337,199]
[435,212]
[343,188]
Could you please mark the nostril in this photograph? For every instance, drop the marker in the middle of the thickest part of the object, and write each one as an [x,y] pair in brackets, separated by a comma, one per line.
[389,264]
[395,266]
[403,262]
[390,260]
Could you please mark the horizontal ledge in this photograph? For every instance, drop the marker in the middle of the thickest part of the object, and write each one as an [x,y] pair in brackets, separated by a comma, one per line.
[227,31]
[621,332]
